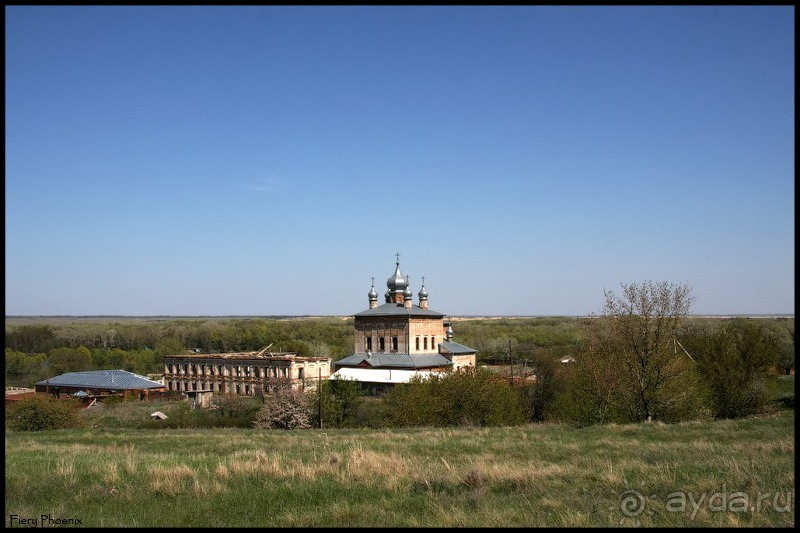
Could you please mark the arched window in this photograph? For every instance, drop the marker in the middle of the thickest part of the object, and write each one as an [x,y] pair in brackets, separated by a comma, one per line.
[382,344]
[394,344]
[432,344]
[425,342]
[369,344]
[417,343]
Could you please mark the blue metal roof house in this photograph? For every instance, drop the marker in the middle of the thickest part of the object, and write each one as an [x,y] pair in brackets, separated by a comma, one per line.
[100,383]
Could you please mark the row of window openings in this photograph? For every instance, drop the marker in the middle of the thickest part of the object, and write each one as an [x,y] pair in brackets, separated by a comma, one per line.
[236,371]
[382,344]
[194,386]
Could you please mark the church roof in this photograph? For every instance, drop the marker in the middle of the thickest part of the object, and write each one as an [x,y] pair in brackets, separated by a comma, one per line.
[456,348]
[394,360]
[392,309]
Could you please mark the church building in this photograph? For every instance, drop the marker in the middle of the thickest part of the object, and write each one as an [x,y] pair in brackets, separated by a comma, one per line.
[399,339]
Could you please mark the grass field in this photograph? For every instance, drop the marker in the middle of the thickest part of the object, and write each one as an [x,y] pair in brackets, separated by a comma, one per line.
[723,473]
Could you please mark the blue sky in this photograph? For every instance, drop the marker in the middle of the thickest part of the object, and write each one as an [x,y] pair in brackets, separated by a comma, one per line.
[269,160]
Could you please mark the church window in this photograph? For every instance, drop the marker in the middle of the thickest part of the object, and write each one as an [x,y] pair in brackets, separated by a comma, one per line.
[417,343]
[369,344]
[425,343]
[383,344]
[394,344]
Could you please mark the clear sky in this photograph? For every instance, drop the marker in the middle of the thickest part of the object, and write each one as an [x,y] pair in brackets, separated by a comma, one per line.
[271,160]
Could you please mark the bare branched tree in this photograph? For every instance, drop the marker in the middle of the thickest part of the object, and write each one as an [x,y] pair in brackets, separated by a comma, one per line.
[642,325]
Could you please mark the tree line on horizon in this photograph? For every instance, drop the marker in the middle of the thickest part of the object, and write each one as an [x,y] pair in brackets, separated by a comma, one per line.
[643,358]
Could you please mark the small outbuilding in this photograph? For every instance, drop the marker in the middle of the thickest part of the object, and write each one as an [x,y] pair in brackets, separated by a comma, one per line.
[99,384]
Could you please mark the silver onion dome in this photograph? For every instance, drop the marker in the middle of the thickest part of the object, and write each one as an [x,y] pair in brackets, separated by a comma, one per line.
[423,292]
[397,282]
[407,294]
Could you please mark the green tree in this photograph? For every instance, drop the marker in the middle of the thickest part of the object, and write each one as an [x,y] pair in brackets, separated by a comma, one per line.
[64,360]
[31,338]
[734,362]
[170,346]
[592,386]
[782,332]
[24,369]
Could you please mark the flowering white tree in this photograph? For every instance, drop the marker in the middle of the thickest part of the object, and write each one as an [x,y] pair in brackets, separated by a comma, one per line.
[284,408]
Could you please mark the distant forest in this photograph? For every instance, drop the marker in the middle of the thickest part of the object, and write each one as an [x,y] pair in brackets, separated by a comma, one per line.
[41,347]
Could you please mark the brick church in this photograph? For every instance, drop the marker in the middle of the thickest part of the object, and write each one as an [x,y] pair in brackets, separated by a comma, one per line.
[399,339]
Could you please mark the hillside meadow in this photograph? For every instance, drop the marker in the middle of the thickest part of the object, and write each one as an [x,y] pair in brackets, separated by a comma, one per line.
[727,473]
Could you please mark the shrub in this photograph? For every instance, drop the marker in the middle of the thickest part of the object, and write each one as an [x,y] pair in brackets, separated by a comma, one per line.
[339,400]
[42,412]
[735,362]
[466,397]
[538,396]
[235,407]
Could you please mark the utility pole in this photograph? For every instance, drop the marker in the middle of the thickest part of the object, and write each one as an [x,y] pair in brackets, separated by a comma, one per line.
[510,360]
[319,395]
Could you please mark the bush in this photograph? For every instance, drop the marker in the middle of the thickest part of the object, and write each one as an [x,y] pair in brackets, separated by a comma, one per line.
[539,395]
[240,410]
[370,413]
[735,362]
[466,397]
[43,412]
[584,399]
[340,401]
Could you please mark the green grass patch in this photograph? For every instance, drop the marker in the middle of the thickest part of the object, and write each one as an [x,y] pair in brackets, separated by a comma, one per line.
[536,475]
